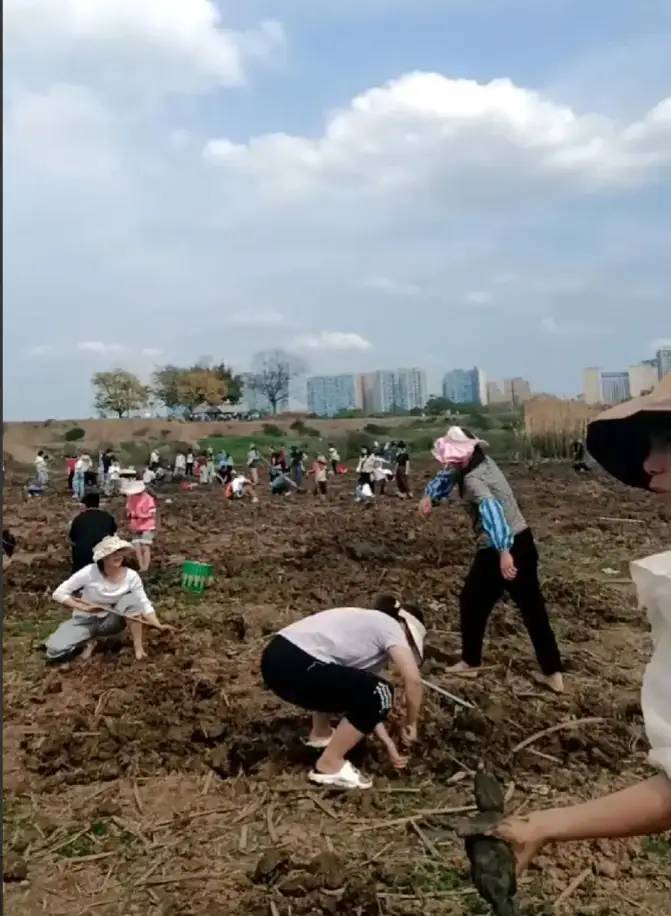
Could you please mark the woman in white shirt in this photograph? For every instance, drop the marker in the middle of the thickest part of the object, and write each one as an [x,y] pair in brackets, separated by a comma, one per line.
[41,470]
[328,663]
[180,464]
[113,485]
[105,598]
[83,466]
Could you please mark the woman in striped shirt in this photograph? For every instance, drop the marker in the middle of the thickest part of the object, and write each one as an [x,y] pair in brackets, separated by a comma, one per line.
[506,559]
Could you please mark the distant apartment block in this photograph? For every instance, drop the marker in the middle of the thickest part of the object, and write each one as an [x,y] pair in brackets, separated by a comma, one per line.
[328,395]
[516,390]
[390,391]
[663,362]
[466,386]
[591,386]
[411,389]
[511,391]
[643,377]
[615,387]
[601,387]
[495,393]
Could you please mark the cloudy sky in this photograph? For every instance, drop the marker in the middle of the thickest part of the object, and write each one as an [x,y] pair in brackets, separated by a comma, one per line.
[372,183]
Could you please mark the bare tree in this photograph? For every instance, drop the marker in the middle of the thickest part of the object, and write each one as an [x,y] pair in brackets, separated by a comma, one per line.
[272,372]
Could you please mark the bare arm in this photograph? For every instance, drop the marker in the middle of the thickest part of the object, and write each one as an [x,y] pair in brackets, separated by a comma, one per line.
[412,682]
[399,761]
[639,810]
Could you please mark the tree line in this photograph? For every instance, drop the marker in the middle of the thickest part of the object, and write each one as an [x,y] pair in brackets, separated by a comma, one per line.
[121,393]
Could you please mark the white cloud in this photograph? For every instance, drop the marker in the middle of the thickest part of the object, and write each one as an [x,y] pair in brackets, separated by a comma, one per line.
[258,320]
[97,346]
[153,46]
[151,352]
[479,297]
[460,138]
[37,351]
[661,343]
[570,328]
[392,287]
[332,340]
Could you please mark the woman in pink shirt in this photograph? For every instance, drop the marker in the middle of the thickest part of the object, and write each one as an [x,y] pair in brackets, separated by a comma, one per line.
[141,515]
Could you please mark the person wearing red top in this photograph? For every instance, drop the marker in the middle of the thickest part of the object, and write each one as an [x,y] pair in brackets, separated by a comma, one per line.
[70,470]
[141,514]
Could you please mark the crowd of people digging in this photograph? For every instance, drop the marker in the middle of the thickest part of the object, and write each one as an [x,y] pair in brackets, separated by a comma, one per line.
[331,662]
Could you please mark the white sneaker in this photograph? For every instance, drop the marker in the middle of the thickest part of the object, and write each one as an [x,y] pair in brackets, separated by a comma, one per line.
[347,778]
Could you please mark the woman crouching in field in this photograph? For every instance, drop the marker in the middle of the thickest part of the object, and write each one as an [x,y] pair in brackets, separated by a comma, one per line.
[106,597]
[328,663]
[633,443]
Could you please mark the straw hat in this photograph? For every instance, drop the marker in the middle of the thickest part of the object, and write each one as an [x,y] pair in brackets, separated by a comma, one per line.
[619,438]
[132,487]
[321,460]
[109,545]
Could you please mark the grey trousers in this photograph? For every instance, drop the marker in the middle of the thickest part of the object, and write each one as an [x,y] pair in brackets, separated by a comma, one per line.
[73,634]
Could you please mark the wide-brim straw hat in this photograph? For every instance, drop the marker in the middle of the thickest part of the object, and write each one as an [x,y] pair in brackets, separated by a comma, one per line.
[132,487]
[619,438]
[108,546]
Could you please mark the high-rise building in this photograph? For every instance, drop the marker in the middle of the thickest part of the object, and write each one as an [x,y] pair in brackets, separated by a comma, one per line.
[591,386]
[389,391]
[411,389]
[465,386]
[494,393]
[663,361]
[516,390]
[328,395]
[643,377]
[615,387]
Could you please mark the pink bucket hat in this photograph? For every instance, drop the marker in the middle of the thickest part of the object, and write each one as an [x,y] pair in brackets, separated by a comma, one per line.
[455,447]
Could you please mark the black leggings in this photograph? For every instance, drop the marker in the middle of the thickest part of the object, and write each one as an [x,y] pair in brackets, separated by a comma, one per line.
[485,585]
[296,677]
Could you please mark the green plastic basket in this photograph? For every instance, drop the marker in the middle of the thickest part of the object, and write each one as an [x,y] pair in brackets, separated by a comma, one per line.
[196,576]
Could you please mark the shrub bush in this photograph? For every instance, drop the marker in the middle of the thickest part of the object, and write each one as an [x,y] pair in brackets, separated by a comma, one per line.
[354,442]
[422,444]
[141,433]
[75,434]
[271,429]
[376,430]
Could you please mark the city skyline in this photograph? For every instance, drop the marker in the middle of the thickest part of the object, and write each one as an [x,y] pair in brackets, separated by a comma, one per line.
[611,386]
[379,391]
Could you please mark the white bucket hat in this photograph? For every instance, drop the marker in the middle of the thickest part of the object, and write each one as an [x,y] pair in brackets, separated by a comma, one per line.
[109,545]
[132,487]
[417,630]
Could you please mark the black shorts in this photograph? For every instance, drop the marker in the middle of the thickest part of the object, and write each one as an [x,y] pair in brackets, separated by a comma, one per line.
[363,698]
[321,487]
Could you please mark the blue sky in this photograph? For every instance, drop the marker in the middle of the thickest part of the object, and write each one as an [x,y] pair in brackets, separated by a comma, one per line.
[372,184]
